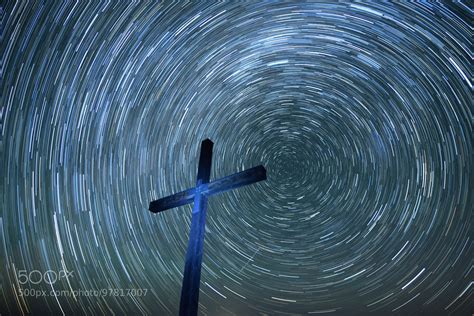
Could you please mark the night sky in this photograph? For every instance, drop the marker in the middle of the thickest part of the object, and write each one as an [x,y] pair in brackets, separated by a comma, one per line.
[361,113]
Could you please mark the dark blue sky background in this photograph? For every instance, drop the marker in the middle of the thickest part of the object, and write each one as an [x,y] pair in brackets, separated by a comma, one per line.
[361,113]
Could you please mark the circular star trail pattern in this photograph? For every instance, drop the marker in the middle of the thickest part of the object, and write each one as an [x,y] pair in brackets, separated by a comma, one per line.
[361,113]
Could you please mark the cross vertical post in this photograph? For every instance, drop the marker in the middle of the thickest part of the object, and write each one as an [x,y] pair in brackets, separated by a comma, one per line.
[192,269]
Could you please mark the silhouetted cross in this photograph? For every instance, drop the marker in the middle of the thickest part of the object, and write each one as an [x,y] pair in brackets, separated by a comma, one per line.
[199,194]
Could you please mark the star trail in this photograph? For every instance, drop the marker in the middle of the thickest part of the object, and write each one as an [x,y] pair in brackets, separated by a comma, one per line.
[361,113]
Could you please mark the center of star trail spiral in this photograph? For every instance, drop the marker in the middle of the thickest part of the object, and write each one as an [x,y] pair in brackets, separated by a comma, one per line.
[360,112]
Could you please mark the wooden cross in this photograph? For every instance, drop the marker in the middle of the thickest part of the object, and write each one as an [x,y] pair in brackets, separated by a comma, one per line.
[199,194]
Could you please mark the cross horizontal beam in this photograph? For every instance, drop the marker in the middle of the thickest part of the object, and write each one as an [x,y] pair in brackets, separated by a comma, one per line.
[236,180]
